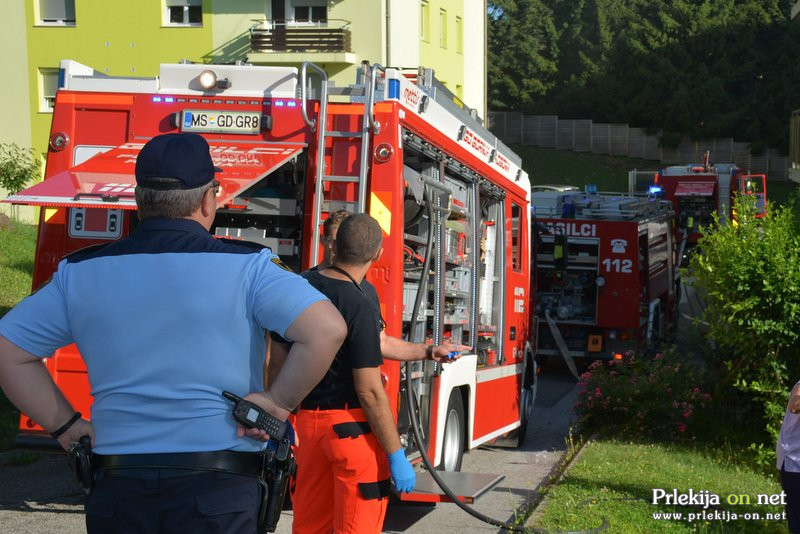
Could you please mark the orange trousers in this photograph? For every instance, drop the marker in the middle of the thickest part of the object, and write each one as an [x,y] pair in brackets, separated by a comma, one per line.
[343,477]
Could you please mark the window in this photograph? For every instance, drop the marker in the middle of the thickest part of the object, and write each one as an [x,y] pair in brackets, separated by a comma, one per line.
[184,13]
[443,28]
[459,36]
[317,14]
[424,21]
[516,235]
[57,12]
[48,85]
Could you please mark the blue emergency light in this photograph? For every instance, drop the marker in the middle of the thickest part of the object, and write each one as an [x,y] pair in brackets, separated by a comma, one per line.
[156,99]
[394,88]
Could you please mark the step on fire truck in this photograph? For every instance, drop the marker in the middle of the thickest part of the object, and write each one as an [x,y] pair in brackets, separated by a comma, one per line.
[452,200]
[606,279]
[699,190]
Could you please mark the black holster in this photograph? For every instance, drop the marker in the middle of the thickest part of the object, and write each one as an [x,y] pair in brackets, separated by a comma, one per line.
[79,457]
[279,467]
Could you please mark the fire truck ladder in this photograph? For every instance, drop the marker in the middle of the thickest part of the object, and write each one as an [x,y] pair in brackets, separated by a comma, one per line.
[366,92]
[623,207]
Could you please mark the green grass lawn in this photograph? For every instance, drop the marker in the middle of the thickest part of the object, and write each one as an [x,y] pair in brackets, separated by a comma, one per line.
[614,481]
[17,247]
[550,166]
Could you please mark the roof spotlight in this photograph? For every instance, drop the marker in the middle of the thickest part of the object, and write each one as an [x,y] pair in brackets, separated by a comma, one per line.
[207,79]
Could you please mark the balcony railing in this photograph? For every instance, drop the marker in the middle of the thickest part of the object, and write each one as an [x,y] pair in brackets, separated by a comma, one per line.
[280,36]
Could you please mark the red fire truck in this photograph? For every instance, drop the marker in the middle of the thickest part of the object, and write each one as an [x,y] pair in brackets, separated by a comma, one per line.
[697,191]
[452,200]
[606,279]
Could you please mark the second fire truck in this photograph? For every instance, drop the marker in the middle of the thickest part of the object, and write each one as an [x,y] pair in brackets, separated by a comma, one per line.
[452,200]
[606,278]
[698,191]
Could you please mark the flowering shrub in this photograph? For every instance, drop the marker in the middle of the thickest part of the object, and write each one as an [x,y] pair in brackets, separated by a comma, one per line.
[659,397]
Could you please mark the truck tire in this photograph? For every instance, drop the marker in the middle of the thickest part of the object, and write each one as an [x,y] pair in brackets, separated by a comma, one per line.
[531,379]
[454,432]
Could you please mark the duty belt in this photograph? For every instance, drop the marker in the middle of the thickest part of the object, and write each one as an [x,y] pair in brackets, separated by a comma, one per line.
[336,405]
[240,463]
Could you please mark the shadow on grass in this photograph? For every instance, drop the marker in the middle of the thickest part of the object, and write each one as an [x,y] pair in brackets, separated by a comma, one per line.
[24,266]
[9,423]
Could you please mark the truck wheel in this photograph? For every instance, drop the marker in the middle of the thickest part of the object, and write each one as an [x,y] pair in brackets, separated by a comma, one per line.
[528,399]
[454,432]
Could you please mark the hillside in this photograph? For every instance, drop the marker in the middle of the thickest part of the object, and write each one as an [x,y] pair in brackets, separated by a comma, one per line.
[609,173]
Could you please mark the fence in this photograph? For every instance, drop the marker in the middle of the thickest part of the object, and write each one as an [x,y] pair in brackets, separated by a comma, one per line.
[548,131]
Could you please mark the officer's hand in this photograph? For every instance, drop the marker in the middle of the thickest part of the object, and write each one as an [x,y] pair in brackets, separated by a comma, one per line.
[81,428]
[403,474]
[264,400]
[447,352]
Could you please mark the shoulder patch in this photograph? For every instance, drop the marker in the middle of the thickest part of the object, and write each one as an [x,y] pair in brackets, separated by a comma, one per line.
[277,261]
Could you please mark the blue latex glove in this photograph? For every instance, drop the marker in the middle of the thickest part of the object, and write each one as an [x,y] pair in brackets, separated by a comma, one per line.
[273,445]
[403,474]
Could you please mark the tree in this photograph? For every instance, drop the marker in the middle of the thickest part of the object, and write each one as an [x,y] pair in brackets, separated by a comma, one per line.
[749,272]
[18,166]
[522,53]
[707,68]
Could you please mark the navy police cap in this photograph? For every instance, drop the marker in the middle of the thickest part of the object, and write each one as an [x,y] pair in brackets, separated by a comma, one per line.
[183,157]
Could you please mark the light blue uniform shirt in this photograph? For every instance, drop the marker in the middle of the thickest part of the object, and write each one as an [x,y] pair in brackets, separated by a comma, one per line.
[165,320]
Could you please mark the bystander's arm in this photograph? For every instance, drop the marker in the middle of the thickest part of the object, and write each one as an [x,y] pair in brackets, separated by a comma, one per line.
[375,403]
[393,348]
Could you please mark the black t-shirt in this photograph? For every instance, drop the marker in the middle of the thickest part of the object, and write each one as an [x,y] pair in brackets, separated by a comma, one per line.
[362,346]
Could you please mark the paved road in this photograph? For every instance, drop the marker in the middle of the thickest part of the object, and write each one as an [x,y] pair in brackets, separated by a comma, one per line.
[42,497]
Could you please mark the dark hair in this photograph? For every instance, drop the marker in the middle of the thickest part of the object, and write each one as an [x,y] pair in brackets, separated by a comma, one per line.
[333,221]
[359,239]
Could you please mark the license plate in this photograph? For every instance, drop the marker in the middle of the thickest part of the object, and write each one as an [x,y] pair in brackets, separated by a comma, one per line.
[236,122]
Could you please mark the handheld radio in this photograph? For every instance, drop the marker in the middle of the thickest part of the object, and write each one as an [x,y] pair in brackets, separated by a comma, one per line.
[251,415]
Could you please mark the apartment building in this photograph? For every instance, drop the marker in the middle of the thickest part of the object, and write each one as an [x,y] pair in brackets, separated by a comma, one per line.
[133,38]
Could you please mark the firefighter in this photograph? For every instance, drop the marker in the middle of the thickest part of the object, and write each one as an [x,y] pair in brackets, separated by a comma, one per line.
[788,450]
[349,451]
[329,229]
[166,319]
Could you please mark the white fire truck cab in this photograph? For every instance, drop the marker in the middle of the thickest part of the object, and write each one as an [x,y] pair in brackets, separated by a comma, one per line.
[452,200]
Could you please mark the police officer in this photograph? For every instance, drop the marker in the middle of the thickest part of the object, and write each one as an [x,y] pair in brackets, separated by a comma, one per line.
[166,319]
[349,451]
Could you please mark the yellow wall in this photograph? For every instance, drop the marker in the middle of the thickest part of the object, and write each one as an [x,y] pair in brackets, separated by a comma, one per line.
[16,125]
[367,35]
[443,57]
[117,38]
[230,32]
[474,56]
